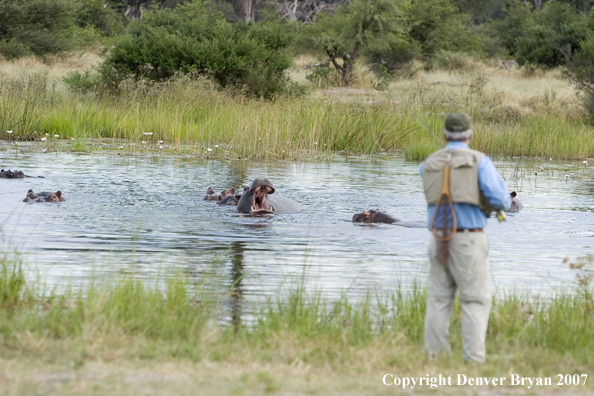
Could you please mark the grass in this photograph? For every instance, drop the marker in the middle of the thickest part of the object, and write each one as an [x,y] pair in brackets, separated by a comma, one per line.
[131,324]
[513,115]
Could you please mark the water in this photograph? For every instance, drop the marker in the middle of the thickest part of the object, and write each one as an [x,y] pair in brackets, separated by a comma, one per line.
[147,215]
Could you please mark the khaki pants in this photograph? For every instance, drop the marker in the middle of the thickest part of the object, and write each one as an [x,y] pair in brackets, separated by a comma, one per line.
[469,271]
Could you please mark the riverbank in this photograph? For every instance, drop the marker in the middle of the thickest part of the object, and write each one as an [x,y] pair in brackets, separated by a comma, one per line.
[514,113]
[124,335]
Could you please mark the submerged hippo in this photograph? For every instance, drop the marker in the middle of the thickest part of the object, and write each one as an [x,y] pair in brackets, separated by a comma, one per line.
[211,195]
[231,200]
[44,196]
[516,205]
[375,216]
[259,199]
[14,175]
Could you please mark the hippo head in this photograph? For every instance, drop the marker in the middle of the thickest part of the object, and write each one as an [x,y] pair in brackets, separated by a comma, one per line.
[513,194]
[53,198]
[259,191]
[255,200]
[59,196]
[364,217]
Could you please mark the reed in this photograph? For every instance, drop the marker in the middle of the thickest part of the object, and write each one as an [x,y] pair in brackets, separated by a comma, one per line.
[190,115]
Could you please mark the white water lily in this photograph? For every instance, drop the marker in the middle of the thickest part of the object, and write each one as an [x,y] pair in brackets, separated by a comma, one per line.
[216,145]
[132,144]
[147,133]
[160,141]
[43,139]
[143,142]
[160,147]
[121,148]
[8,131]
[71,138]
[56,136]
[211,150]
[44,150]
[47,134]
[585,162]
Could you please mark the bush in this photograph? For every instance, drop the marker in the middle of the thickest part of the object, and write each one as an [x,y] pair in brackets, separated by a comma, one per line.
[580,71]
[194,39]
[37,27]
[439,25]
[546,37]
[397,55]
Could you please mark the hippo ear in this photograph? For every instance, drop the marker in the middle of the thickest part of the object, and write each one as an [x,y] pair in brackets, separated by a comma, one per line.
[513,194]
[58,193]
[365,213]
[232,190]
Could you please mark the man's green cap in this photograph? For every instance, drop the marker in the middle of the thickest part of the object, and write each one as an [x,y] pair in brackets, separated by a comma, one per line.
[457,122]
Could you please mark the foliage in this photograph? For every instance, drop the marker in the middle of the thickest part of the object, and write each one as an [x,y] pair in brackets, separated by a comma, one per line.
[196,39]
[94,14]
[36,27]
[394,55]
[361,26]
[548,36]
[439,25]
[580,70]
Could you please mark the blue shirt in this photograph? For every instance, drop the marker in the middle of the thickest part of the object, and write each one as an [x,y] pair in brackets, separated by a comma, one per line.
[490,183]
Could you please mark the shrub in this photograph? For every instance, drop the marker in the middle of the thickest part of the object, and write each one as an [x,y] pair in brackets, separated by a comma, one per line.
[39,27]
[439,25]
[580,71]
[195,39]
[396,55]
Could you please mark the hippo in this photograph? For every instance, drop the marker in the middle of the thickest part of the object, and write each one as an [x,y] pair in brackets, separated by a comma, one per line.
[516,205]
[14,175]
[259,199]
[231,200]
[211,195]
[375,216]
[44,196]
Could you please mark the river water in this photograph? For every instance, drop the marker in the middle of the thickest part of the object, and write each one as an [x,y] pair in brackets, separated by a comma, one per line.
[146,215]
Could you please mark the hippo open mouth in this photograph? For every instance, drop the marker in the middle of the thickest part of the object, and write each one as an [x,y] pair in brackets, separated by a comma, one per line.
[260,202]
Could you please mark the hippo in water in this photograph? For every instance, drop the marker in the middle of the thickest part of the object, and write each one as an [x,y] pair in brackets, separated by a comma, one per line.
[516,205]
[231,200]
[14,175]
[211,195]
[44,197]
[259,199]
[375,216]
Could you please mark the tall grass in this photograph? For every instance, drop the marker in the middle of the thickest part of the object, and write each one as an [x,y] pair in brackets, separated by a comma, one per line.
[128,318]
[191,115]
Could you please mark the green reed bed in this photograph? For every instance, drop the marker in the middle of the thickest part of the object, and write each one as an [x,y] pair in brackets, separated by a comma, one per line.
[127,319]
[191,115]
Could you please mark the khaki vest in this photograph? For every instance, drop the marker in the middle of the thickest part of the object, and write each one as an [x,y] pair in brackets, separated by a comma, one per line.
[464,186]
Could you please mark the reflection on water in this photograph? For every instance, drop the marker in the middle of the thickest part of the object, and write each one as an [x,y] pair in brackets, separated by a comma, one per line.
[146,214]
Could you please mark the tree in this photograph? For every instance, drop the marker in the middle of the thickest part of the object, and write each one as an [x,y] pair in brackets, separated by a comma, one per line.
[548,36]
[357,27]
[580,70]
[36,27]
[196,39]
[439,25]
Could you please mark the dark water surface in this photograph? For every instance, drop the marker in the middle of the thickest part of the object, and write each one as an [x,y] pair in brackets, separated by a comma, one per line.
[147,214]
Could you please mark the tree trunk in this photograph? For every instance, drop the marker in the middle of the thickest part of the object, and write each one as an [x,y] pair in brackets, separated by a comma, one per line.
[243,9]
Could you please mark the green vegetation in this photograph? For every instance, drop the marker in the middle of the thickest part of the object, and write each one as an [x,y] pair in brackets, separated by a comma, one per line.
[174,319]
[191,115]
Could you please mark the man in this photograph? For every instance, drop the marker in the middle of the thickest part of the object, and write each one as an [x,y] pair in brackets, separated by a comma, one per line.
[476,189]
